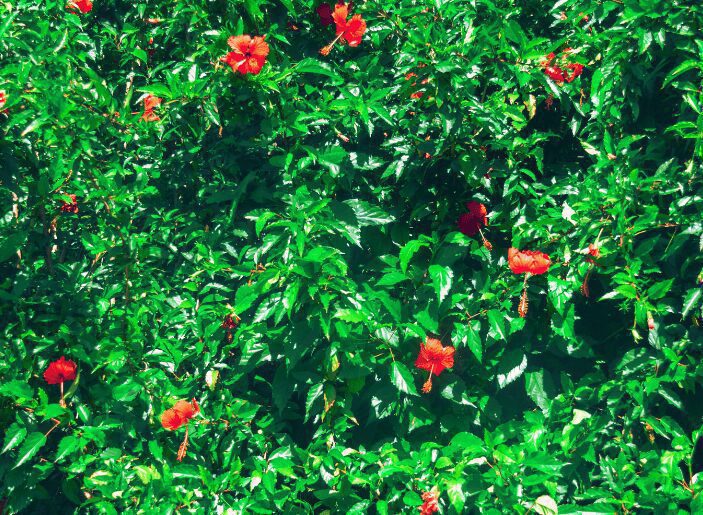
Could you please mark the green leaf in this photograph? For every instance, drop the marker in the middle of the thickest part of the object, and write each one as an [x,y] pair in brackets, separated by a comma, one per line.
[245,297]
[310,65]
[157,89]
[411,498]
[408,251]
[511,367]
[681,68]
[126,392]
[391,279]
[281,389]
[496,322]
[332,158]
[534,384]
[68,445]
[545,505]
[314,393]
[588,509]
[691,301]
[31,446]
[402,379]
[254,10]
[660,289]
[465,441]
[350,315]
[16,389]
[457,495]
[368,214]
[474,342]
[13,437]
[442,279]
[33,125]
[9,245]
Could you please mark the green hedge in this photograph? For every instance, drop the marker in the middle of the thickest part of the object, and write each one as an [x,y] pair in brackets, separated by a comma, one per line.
[274,249]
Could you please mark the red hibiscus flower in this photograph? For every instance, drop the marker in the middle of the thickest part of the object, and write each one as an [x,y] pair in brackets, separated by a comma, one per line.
[576,70]
[528,262]
[430,503]
[187,409]
[348,30]
[533,262]
[248,54]
[84,6]
[555,73]
[150,103]
[171,419]
[3,98]
[230,323]
[71,207]
[470,223]
[559,72]
[593,253]
[435,358]
[178,416]
[594,250]
[417,94]
[351,30]
[324,11]
[59,371]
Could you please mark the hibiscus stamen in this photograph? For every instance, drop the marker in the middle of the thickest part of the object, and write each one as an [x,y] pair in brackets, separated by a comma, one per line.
[327,49]
[522,307]
[584,286]
[183,447]
[427,387]
[486,243]
[435,358]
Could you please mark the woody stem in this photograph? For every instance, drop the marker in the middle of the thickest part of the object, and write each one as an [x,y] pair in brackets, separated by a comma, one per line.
[62,402]
[56,424]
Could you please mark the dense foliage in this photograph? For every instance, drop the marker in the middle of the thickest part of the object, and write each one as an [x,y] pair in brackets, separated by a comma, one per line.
[268,239]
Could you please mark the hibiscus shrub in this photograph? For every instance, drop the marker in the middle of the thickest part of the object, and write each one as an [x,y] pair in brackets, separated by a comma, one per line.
[381,257]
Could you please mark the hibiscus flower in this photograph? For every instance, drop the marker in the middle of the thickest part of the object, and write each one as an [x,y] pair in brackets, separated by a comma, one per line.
[434,358]
[430,503]
[470,223]
[59,371]
[348,31]
[248,54]
[528,262]
[71,207]
[84,6]
[533,262]
[324,11]
[150,103]
[180,415]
